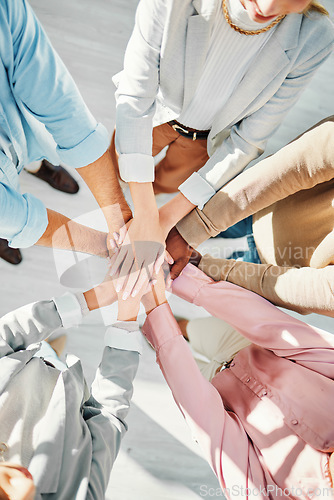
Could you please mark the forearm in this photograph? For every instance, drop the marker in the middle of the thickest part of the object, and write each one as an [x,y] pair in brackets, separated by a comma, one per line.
[304,290]
[102,180]
[300,165]
[143,200]
[173,211]
[101,295]
[63,233]
[154,298]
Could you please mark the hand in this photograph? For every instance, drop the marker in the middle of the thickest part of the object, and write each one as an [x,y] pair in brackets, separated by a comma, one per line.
[128,308]
[181,253]
[140,255]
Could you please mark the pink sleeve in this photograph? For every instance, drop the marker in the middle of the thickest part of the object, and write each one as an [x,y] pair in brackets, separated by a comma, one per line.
[216,430]
[258,320]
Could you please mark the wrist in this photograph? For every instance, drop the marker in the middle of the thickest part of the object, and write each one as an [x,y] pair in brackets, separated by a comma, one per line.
[101,296]
[143,200]
[166,220]
[152,300]
[195,258]
[102,249]
[116,216]
[128,309]
[173,211]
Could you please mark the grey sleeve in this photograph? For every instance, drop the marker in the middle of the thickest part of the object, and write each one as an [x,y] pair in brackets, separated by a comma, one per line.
[105,413]
[27,325]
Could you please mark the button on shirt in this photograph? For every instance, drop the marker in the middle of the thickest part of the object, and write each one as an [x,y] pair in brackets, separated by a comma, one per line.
[42,115]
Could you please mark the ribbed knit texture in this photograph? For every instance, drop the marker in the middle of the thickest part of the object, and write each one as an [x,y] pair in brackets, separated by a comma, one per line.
[228,58]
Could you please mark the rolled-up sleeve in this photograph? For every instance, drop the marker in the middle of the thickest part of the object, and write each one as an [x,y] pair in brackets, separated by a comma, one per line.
[88,150]
[137,88]
[44,87]
[23,217]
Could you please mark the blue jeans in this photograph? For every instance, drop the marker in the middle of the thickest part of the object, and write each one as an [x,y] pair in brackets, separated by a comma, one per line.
[240,229]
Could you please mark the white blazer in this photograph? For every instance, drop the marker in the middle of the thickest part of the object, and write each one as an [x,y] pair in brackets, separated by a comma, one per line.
[162,67]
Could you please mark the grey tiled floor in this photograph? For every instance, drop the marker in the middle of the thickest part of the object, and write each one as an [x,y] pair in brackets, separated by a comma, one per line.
[158,459]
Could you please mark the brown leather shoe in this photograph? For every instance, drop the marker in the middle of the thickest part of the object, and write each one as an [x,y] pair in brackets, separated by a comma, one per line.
[57,177]
[11,255]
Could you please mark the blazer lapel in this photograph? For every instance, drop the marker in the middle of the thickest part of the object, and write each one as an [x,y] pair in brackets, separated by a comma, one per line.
[272,59]
[49,448]
[198,37]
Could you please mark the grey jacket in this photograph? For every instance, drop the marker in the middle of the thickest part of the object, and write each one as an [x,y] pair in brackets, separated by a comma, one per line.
[79,435]
[163,65]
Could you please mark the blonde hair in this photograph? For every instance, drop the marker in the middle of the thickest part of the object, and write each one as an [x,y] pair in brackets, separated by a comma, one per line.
[315,6]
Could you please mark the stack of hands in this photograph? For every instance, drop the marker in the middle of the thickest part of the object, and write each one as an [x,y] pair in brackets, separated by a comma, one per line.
[145,259]
[151,294]
[140,270]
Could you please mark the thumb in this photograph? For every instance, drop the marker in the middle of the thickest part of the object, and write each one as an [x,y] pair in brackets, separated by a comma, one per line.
[121,235]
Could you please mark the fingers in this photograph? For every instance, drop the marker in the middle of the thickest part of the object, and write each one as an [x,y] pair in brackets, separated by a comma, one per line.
[118,238]
[122,235]
[124,271]
[168,258]
[136,266]
[178,267]
[160,258]
[131,282]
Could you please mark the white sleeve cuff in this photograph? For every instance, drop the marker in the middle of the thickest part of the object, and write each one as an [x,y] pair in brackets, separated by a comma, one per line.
[197,190]
[83,304]
[136,167]
[69,309]
[124,335]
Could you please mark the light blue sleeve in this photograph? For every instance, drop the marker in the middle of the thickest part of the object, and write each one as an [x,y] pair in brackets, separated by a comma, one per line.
[41,82]
[23,217]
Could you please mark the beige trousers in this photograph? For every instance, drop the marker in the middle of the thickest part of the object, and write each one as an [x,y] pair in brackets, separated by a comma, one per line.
[183,157]
[213,341]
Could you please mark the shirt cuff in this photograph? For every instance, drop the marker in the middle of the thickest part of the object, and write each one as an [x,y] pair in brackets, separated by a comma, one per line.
[194,228]
[189,283]
[124,335]
[136,167]
[69,309]
[88,150]
[197,190]
[160,326]
[83,304]
[35,224]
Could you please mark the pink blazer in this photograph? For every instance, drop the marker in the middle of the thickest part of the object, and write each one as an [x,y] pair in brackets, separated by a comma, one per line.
[266,424]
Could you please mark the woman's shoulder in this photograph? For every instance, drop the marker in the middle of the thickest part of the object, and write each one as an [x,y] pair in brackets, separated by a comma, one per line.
[318,25]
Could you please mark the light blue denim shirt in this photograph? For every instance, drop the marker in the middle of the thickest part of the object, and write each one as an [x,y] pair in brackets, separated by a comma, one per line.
[42,115]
